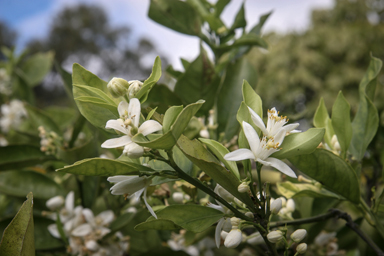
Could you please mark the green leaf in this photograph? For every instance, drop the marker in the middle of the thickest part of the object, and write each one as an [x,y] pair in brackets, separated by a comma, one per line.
[341,123]
[195,218]
[19,183]
[20,156]
[244,40]
[81,76]
[214,22]
[157,224]
[203,159]
[230,95]
[322,120]
[366,121]
[18,237]
[257,29]
[219,7]
[39,118]
[170,117]
[243,115]
[67,80]
[301,143]
[199,81]
[37,67]
[294,190]
[220,151]
[239,21]
[104,167]
[150,81]
[43,239]
[331,171]
[252,99]
[169,139]
[176,15]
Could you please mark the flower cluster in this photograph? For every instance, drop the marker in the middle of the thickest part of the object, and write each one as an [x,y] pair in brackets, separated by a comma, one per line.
[12,115]
[261,148]
[49,141]
[84,231]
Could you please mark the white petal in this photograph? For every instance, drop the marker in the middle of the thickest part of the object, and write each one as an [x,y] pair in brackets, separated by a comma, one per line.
[88,215]
[118,178]
[148,206]
[281,166]
[70,202]
[149,127]
[102,231]
[134,109]
[290,127]
[117,142]
[128,186]
[279,137]
[116,125]
[106,217]
[54,231]
[219,227]
[82,230]
[252,137]
[122,108]
[239,154]
[216,207]
[257,120]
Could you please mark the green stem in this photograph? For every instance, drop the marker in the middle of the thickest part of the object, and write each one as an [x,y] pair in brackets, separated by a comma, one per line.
[258,168]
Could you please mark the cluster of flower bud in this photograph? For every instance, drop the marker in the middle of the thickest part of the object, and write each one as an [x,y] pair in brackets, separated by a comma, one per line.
[119,87]
[12,115]
[49,141]
[83,230]
[285,210]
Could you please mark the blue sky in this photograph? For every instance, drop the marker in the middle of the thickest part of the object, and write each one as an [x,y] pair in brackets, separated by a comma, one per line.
[31,19]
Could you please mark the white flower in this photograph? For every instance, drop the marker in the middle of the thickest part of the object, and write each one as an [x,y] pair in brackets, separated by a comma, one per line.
[261,150]
[55,203]
[223,223]
[275,123]
[12,115]
[99,223]
[128,124]
[276,206]
[233,239]
[132,186]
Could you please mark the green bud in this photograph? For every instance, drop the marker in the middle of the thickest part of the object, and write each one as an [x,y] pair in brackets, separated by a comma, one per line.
[118,87]
[134,88]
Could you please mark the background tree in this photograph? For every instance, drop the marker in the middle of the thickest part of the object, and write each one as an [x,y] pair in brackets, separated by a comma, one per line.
[7,37]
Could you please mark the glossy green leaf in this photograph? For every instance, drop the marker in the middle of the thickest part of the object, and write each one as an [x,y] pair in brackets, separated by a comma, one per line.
[341,122]
[88,149]
[20,183]
[36,67]
[294,190]
[67,80]
[199,81]
[176,15]
[331,171]
[169,139]
[322,120]
[220,151]
[81,76]
[301,143]
[20,156]
[182,161]
[18,237]
[230,95]
[157,224]
[104,167]
[195,218]
[219,7]
[39,118]
[366,121]
[150,81]
[170,117]
[252,99]
[202,158]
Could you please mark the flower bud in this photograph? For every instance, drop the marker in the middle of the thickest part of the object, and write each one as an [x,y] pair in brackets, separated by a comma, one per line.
[118,87]
[249,215]
[178,197]
[235,222]
[283,201]
[92,245]
[334,140]
[134,88]
[275,236]
[233,239]
[243,187]
[227,226]
[55,203]
[290,205]
[298,235]
[224,193]
[133,150]
[301,248]
[276,206]
[204,133]
[337,146]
